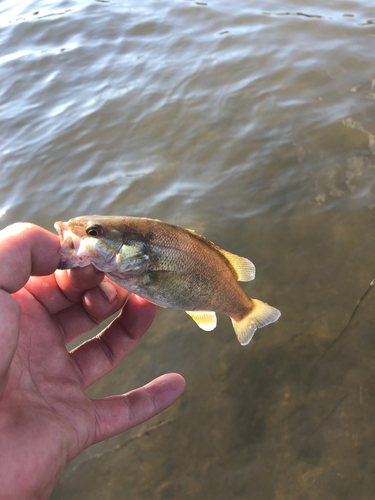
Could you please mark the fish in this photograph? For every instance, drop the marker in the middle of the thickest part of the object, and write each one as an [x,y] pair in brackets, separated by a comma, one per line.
[169,266]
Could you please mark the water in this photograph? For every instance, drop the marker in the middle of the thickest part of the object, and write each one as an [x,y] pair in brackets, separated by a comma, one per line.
[254,125]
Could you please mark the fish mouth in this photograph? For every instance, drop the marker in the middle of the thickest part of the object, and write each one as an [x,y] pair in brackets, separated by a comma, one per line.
[69,245]
[72,250]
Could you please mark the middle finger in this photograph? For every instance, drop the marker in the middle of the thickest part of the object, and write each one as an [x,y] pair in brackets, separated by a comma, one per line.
[63,288]
[96,305]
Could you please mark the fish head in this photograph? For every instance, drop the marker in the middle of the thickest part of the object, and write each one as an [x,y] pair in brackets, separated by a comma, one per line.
[104,241]
[87,240]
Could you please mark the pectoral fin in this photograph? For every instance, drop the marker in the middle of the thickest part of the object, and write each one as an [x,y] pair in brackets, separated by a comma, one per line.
[204,319]
[132,258]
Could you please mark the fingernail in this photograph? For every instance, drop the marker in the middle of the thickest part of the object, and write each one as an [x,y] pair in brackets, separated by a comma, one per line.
[109,291]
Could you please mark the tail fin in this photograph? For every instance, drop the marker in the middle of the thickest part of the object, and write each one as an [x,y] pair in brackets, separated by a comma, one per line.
[261,315]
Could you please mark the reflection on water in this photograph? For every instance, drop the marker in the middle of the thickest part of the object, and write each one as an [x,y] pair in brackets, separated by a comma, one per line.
[256,128]
[365,23]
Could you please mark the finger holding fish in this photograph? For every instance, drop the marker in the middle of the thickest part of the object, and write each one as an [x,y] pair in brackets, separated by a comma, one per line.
[96,305]
[61,289]
[78,299]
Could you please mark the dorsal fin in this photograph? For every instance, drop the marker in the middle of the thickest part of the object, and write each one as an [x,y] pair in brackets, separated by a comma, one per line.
[204,319]
[245,269]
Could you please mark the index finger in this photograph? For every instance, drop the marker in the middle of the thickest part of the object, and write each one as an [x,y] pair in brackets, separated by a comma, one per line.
[26,250]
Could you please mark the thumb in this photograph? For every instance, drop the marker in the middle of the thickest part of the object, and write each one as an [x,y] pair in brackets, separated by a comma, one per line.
[117,414]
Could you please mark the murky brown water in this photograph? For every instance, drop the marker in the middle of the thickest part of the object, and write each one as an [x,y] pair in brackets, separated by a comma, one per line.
[254,125]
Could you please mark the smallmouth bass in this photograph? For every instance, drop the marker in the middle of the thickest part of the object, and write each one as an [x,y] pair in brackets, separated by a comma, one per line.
[169,266]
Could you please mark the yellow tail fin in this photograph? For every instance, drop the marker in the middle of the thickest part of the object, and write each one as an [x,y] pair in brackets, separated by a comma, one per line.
[261,315]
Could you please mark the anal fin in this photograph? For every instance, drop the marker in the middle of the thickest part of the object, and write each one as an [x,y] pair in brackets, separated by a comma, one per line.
[204,319]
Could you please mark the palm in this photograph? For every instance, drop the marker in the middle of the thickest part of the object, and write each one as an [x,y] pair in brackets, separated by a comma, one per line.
[45,417]
[43,382]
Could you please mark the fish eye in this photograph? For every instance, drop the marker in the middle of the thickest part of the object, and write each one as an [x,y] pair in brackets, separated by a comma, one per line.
[94,231]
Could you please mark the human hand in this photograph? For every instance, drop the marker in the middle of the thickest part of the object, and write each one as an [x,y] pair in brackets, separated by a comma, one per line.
[46,419]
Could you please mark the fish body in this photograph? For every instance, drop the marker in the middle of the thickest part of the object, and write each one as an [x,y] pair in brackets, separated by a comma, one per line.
[168,265]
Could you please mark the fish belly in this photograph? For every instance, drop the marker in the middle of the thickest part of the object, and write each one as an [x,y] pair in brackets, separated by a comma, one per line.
[188,292]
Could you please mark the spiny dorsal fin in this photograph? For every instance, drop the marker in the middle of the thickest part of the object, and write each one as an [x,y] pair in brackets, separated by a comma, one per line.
[245,269]
[204,319]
